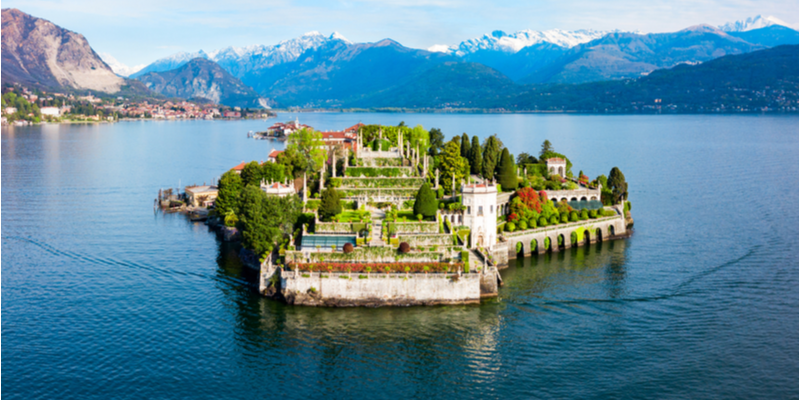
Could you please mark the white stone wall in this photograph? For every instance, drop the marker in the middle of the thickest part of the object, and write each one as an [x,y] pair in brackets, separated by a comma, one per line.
[389,288]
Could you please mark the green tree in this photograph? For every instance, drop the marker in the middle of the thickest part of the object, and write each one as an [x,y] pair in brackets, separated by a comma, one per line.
[230,189]
[507,171]
[266,220]
[525,158]
[257,234]
[251,174]
[273,172]
[618,186]
[475,157]
[330,205]
[307,145]
[452,164]
[492,148]
[437,141]
[465,145]
[547,147]
[425,203]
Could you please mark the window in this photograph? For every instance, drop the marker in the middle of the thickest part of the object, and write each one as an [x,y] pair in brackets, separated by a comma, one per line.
[469,211]
[480,211]
[491,209]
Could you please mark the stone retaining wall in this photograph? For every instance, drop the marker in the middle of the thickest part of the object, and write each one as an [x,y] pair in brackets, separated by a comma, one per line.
[383,289]
[606,228]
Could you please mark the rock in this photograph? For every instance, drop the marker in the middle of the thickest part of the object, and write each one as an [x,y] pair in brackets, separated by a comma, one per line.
[230,234]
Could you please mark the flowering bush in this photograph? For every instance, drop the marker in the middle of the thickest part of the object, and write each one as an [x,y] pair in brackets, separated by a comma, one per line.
[368,267]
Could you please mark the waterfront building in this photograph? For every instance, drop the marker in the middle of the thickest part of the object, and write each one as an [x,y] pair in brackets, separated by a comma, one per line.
[201,196]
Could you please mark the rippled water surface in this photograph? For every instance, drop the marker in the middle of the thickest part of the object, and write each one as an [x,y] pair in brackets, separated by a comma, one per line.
[103,298]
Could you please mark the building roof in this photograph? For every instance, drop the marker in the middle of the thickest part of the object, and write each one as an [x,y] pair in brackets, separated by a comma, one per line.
[555,160]
[354,128]
[202,189]
[338,135]
[239,167]
[275,153]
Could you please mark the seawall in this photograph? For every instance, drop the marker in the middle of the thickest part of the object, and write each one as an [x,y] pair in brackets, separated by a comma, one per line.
[378,289]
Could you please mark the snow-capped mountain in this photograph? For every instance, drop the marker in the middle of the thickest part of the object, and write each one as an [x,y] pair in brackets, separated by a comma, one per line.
[500,41]
[118,67]
[753,23]
[239,61]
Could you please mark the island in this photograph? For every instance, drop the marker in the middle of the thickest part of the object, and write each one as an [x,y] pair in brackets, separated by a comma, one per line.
[394,216]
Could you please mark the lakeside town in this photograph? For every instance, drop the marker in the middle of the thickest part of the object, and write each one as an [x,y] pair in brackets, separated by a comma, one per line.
[392,215]
[22,106]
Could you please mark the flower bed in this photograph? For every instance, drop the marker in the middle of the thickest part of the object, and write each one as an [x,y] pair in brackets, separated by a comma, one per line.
[413,268]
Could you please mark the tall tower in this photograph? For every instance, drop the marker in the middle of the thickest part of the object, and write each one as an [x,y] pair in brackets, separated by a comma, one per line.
[480,201]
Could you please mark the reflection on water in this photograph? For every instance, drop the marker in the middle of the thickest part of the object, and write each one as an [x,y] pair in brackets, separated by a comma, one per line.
[102,298]
[584,272]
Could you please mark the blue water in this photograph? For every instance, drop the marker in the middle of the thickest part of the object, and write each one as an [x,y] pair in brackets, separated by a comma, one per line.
[103,298]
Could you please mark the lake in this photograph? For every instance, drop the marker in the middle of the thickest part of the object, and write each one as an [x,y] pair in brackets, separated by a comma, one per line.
[105,298]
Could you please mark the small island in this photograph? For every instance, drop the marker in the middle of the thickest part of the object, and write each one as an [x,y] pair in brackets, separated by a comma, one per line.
[394,216]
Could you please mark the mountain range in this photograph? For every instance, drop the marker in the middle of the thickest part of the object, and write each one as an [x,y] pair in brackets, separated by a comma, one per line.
[316,70]
[202,79]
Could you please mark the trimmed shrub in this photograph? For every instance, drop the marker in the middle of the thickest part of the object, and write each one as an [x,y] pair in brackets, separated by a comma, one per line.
[542,221]
[511,227]
[584,214]
[425,203]
[347,248]
[523,225]
[573,216]
[564,217]
[592,213]
[554,220]
[573,237]
[404,248]
[532,223]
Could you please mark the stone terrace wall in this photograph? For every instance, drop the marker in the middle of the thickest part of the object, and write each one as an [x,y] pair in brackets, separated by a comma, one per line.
[380,289]
[591,226]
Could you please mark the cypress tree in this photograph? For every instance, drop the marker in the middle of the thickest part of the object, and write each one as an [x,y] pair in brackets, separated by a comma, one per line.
[618,186]
[465,145]
[330,205]
[425,203]
[475,157]
[507,171]
[491,156]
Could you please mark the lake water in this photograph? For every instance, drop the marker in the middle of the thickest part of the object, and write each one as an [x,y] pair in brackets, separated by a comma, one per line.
[103,298]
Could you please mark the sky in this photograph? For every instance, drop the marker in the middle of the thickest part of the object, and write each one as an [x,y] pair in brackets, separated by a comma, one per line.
[141,31]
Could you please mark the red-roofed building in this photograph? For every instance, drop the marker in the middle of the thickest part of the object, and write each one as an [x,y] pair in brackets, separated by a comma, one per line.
[238,169]
[344,138]
[286,128]
[273,155]
[354,128]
